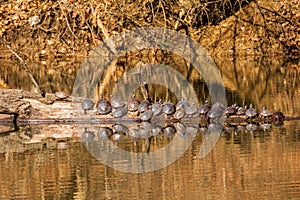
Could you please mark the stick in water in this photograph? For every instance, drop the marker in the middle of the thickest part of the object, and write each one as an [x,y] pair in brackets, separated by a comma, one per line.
[25,67]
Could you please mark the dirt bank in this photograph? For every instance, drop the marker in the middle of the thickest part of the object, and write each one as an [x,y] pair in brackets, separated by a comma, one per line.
[42,29]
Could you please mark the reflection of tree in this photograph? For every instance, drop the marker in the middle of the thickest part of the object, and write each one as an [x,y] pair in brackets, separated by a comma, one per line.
[270,82]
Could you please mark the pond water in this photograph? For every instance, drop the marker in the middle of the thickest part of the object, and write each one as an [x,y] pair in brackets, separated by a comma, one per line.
[62,162]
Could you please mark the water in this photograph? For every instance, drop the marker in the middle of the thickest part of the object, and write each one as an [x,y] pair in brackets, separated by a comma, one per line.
[51,161]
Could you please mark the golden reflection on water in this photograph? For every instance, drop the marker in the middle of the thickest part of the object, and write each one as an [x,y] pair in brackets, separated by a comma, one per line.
[262,165]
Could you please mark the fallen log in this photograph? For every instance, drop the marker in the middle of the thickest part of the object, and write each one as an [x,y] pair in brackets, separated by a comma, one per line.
[21,107]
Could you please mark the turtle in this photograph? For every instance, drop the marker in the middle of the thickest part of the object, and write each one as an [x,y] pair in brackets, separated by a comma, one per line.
[241,110]
[103,106]
[61,95]
[203,110]
[251,112]
[180,113]
[157,108]
[168,108]
[133,104]
[231,110]
[216,110]
[265,113]
[182,104]
[147,115]
[117,103]
[144,105]
[119,112]
[192,110]
[278,116]
[87,104]
[104,133]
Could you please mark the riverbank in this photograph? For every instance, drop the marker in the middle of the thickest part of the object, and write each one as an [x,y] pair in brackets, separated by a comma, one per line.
[55,29]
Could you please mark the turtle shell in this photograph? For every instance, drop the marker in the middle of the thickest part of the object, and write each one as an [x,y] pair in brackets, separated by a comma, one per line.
[168,108]
[216,110]
[103,106]
[157,108]
[251,112]
[241,110]
[61,95]
[231,110]
[133,104]
[182,104]
[87,104]
[265,112]
[144,105]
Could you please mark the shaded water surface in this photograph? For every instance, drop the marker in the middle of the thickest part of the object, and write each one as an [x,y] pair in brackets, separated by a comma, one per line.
[242,165]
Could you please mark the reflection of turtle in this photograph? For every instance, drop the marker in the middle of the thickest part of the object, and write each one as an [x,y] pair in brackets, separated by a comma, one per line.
[133,104]
[87,104]
[168,108]
[104,133]
[251,127]
[169,131]
[265,113]
[103,106]
[117,137]
[251,112]
[87,136]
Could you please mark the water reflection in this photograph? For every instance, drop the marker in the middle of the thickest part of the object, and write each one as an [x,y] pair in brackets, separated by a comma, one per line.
[249,161]
[241,164]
